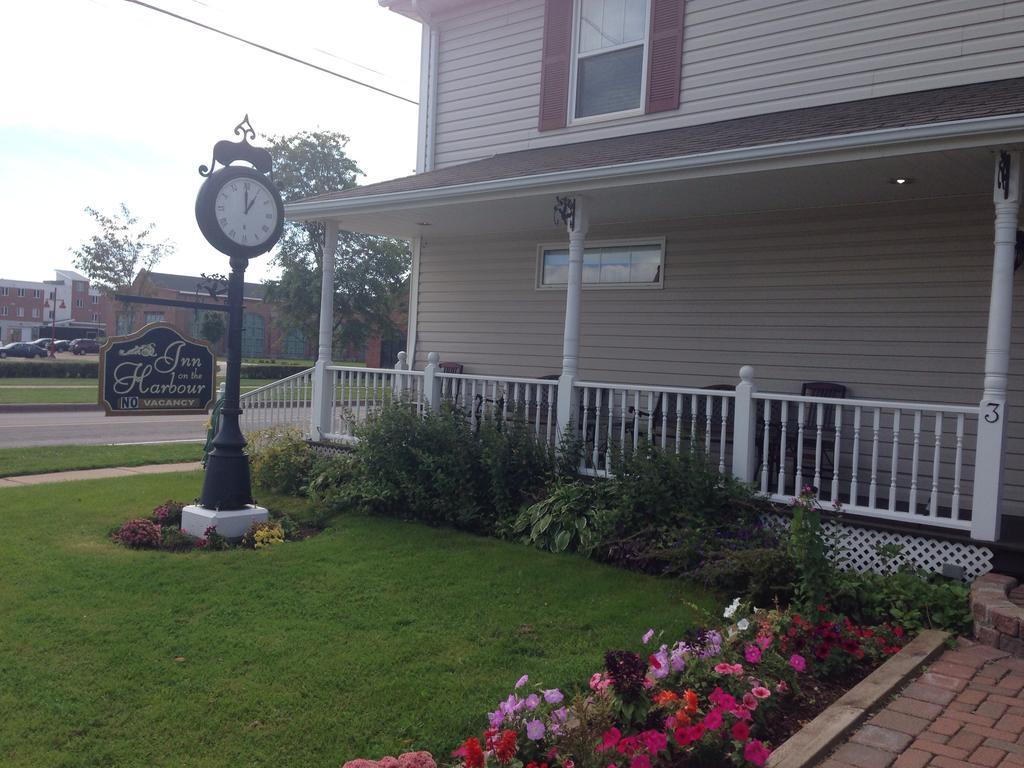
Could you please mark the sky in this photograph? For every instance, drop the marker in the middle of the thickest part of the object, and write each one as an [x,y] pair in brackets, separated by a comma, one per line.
[104,102]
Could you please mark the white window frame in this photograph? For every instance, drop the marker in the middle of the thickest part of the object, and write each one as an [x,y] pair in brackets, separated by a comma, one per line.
[35,312]
[3,311]
[19,292]
[4,290]
[574,70]
[94,299]
[21,311]
[632,241]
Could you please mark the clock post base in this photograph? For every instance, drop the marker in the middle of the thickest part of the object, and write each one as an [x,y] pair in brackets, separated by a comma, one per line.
[230,523]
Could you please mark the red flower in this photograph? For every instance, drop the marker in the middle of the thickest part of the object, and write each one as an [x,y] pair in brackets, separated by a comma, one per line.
[609,739]
[505,749]
[740,731]
[713,719]
[471,753]
[691,702]
[653,661]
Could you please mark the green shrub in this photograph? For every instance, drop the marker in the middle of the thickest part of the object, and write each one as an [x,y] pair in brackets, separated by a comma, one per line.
[54,369]
[280,459]
[337,485]
[270,370]
[571,519]
[516,467]
[763,575]
[174,539]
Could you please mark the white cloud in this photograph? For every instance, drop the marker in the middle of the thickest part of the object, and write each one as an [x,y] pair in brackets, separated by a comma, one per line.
[105,101]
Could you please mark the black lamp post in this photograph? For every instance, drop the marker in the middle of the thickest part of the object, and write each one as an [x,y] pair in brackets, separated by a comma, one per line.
[241,214]
[53,325]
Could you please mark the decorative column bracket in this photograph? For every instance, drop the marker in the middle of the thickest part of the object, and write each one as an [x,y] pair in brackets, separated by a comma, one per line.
[565,212]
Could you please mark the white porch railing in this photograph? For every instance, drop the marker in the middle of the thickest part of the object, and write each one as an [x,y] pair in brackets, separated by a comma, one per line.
[287,401]
[613,418]
[908,462]
[880,458]
[501,398]
[358,393]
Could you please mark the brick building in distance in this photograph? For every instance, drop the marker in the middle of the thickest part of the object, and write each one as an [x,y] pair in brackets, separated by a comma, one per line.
[66,307]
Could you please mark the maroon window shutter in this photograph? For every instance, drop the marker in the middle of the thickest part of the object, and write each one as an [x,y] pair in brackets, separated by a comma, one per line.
[665,63]
[555,64]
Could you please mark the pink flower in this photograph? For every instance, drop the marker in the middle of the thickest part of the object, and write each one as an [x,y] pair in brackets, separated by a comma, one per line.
[647,636]
[640,761]
[713,719]
[781,687]
[724,700]
[522,681]
[761,692]
[798,662]
[737,670]
[752,653]
[755,752]
[655,741]
[749,701]
[609,739]
[723,668]
[569,764]
[742,713]
[763,642]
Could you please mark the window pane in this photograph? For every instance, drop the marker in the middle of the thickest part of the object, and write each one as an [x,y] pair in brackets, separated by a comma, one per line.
[591,266]
[636,16]
[591,22]
[609,23]
[556,268]
[615,265]
[609,82]
[646,265]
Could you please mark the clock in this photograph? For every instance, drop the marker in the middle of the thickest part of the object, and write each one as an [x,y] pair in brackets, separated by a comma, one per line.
[240,211]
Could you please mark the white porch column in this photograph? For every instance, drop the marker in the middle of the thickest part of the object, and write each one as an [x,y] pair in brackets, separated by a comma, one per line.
[990,457]
[323,391]
[574,214]
[744,427]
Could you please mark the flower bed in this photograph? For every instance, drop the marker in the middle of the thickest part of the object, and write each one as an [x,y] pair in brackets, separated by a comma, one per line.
[716,698]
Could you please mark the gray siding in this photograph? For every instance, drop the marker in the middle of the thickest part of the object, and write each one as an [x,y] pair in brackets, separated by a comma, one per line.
[889,299]
[740,58]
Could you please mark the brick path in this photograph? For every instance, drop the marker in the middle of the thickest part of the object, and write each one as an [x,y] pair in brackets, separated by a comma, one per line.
[967,709]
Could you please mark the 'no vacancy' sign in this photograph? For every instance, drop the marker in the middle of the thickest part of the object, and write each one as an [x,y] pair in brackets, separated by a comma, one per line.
[156,370]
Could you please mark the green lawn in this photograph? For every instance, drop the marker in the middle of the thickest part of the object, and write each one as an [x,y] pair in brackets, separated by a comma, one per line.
[36,390]
[58,458]
[376,636]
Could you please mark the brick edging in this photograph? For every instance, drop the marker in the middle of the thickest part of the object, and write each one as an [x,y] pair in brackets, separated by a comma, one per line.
[812,742]
[998,622]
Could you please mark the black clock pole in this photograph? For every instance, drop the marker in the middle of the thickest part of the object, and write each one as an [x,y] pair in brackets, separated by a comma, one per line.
[227,483]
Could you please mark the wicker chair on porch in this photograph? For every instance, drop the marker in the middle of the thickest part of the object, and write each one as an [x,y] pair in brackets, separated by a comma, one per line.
[456,385]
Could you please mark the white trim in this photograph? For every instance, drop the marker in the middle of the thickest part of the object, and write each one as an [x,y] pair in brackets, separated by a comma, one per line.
[827,149]
[426,127]
[577,10]
[635,241]
[414,302]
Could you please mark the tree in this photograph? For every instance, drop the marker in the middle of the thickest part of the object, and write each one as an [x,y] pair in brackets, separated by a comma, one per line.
[112,258]
[370,271]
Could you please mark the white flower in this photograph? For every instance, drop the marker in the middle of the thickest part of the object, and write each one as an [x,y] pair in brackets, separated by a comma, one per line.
[743,625]
[731,609]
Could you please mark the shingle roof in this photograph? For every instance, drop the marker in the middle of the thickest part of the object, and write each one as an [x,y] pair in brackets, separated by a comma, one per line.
[187,283]
[964,102]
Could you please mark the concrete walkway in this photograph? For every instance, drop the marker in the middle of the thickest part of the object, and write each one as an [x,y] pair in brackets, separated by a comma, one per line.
[97,474]
[967,709]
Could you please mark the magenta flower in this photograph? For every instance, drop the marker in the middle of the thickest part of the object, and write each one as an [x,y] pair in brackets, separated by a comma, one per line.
[609,739]
[755,752]
[655,741]
[535,730]
[763,642]
[553,696]
[798,662]
[647,636]
[522,681]
[752,653]
[640,761]
[713,719]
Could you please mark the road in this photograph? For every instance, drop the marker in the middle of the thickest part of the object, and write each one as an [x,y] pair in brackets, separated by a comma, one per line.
[92,427]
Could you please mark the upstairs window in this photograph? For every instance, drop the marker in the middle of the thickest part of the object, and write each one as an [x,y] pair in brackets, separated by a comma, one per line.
[611,51]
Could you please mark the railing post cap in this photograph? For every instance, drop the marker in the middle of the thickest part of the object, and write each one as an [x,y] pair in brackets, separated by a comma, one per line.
[747,373]
[401,355]
[433,358]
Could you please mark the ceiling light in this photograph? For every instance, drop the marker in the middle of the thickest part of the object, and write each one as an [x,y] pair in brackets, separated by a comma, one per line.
[901,180]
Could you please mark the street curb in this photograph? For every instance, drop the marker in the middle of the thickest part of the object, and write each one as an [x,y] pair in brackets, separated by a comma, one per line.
[811,743]
[49,407]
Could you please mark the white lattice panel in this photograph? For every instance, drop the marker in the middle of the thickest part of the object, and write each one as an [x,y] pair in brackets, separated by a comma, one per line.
[858,549]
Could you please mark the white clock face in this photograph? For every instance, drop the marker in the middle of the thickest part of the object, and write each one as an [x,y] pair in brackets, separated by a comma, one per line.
[246,211]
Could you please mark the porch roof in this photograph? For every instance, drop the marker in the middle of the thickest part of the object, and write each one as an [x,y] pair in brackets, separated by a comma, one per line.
[968,116]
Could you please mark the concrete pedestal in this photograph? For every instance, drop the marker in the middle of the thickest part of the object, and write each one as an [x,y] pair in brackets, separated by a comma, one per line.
[230,523]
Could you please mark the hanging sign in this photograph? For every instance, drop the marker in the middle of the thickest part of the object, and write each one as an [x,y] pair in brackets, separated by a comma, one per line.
[156,370]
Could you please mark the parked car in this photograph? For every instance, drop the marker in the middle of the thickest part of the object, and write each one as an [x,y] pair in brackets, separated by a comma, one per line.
[60,344]
[21,349]
[84,346]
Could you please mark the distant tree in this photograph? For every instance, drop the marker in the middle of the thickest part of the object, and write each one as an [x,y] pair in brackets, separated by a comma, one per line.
[212,327]
[370,271]
[112,258]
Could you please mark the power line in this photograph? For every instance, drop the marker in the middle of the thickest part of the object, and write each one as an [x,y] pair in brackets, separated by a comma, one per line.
[269,50]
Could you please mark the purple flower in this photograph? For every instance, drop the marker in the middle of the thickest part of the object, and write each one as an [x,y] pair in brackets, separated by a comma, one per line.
[647,636]
[496,718]
[511,704]
[534,730]
[560,715]
[532,701]
[677,660]
[661,670]
[522,681]
[553,696]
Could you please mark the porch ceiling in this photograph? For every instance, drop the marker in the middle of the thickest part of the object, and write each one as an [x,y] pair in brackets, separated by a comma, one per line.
[943,173]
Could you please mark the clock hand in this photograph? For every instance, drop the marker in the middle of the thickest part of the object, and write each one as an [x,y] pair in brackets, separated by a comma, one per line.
[246,198]
[249,204]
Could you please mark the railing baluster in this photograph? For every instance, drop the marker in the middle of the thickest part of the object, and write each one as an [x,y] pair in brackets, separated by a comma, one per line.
[693,424]
[609,436]
[650,417]
[855,468]
[679,419]
[765,445]
[597,425]
[721,439]
[957,467]
[914,464]
[873,489]
[636,418]
[707,425]
[783,416]
[798,454]
[819,417]
[933,502]
[663,399]
[838,426]
[551,409]
[894,470]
